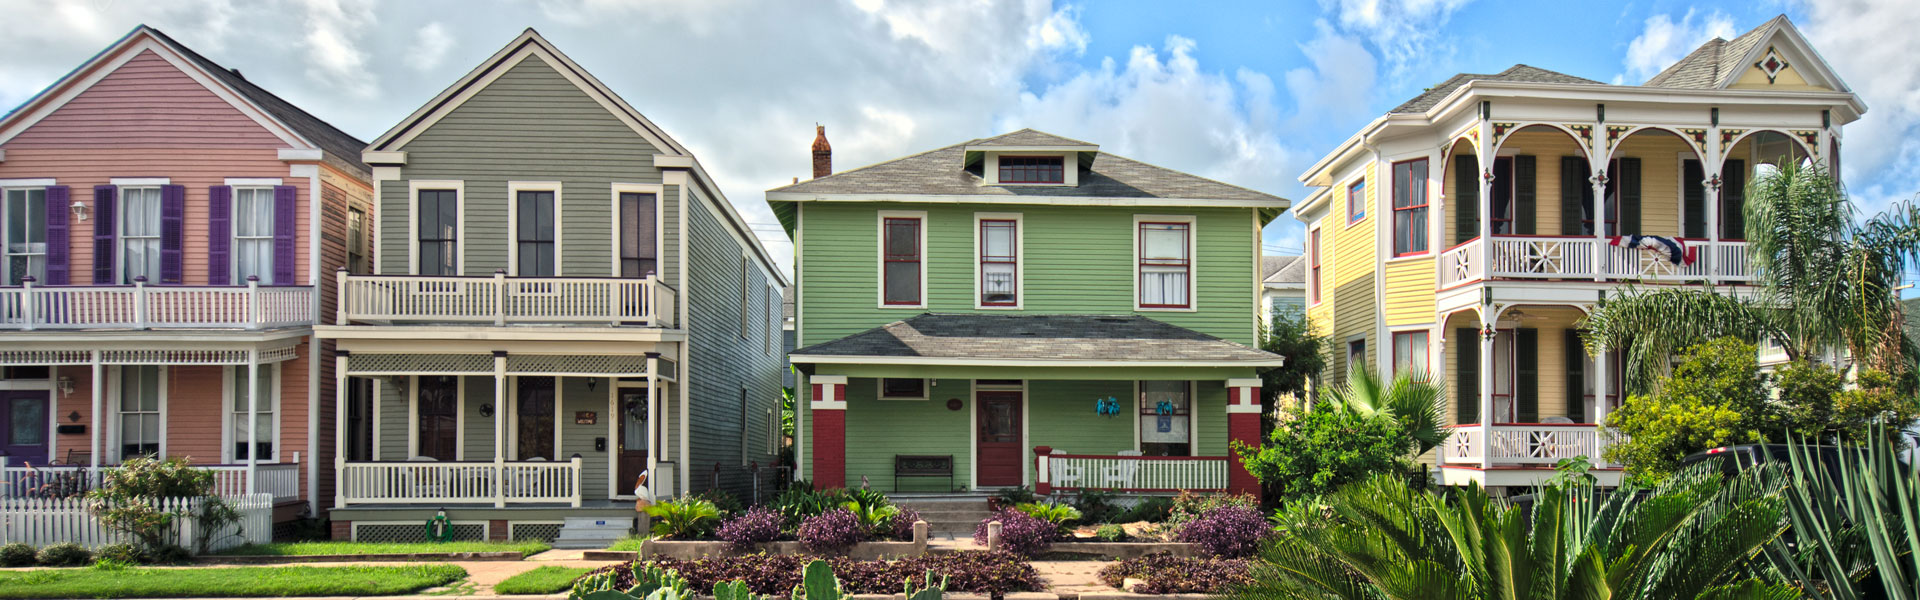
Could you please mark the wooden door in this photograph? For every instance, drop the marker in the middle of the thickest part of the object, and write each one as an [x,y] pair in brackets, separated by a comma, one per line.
[1000,444]
[23,426]
[631,455]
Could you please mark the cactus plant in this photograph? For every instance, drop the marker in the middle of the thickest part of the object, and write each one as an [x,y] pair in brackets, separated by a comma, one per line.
[648,580]
[736,590]
[930,591]
[819,583]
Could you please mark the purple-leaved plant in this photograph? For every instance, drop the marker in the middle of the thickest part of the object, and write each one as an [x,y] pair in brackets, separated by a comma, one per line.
[1227,532]
[755,526]
[1020,533]
[831,531]
[903,524]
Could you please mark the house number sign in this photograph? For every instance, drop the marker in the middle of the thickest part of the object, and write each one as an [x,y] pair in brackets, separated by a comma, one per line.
[586,417]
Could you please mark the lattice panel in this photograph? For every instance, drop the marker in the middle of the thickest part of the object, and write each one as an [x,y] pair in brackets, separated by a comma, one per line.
[45,357]
[415,532]
[615,364]
[545,532]
[420,363]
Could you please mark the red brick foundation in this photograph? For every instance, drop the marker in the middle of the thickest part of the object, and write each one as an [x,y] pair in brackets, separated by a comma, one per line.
[498,531]
[342,530]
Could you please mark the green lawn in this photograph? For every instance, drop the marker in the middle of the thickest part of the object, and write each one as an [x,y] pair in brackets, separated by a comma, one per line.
[226,582]
[312,548]
[629,544]
[548,579]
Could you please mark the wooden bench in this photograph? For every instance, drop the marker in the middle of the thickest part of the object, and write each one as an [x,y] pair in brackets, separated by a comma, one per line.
[922,465]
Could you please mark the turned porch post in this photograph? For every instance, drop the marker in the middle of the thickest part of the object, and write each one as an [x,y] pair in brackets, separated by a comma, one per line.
[340,392]
[499,428]
[1488,317]
[253,416]
[652,425]
[1243,425]
[829,407]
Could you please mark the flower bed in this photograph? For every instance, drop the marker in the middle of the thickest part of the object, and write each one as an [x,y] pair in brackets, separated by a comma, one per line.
[979,572]
[1166,574]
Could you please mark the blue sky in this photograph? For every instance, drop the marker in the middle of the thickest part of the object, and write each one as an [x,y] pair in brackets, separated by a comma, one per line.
[1247,92]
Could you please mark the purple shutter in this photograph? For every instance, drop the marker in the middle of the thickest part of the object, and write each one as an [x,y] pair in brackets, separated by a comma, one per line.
[283,234]
[219,234]
[57,234]
[173,217]
[105,206]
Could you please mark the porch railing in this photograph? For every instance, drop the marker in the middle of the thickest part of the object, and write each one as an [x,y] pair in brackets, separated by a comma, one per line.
[1529,444]
[1567,257]
[142,306]
[1131,473]
[502,300]
[42,521]
[281,480]
[433,482]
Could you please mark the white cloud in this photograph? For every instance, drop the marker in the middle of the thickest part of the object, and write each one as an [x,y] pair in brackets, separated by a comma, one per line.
[1407,32]
[1664,42]
[430,47]
[1869,43]
[333,31]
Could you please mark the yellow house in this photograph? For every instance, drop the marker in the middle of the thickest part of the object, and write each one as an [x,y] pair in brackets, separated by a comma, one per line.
[1467,231]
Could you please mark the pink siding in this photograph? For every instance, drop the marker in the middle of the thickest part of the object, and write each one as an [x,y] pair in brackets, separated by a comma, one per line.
[194,408]
[146,103]
[194,418]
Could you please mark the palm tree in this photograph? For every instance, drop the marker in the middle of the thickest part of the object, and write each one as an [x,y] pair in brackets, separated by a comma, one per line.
[1410,400]
[1689,538]
[1855,519]
[1825,282]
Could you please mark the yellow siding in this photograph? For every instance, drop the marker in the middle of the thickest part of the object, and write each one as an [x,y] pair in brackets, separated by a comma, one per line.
[1409,295]
[1788,79]
[1659,153]
[1355,258]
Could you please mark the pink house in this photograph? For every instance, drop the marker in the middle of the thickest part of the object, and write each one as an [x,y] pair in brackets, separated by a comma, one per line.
[163,234]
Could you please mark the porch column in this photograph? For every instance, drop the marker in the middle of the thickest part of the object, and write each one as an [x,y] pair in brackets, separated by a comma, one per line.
[1710,168]
[499,428]
[1602,375]
[1597,154]
[829,434]
[1488,316]
[340,385]
[652,425]
[1243,425]
[99,397]
[1483,183]
[253,414]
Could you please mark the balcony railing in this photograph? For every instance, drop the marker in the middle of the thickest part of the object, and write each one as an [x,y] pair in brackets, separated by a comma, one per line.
[142,306]
[1551,257]
[503,300]
[1059,471]
[281,480]
[434,482]
[1524,444]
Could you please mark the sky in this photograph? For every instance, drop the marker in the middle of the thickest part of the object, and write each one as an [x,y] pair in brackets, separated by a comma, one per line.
[1250,93]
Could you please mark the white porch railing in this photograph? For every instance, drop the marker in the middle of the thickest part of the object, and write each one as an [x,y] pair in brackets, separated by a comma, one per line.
[1566,257]
[143,306]
[501,300]
[425,482]
[1516,444]
[1132,473]
[42,521]
[281,481]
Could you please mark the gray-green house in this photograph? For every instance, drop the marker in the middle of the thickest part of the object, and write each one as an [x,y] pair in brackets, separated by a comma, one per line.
[561,300]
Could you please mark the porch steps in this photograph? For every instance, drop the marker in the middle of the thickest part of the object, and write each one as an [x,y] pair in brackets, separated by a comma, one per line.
[948,517]
[592,532]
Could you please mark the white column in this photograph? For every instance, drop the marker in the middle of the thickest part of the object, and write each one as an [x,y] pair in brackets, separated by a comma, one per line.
[253,411]
[499,428]
[1488,315]
[685,456]
[1597,166]
[99,396]
[1484,183]
[1710,169]
[340,394]
[652,427]
[1602,376]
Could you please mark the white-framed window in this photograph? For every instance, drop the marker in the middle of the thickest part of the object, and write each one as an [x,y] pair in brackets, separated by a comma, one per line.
[1410,352]
[435,226]
[997,252]
[895,388]
[774,310]
[1032,169]
[1164,266]
[139,222]
[141,396]
[356,241]
[1166,418]
[536,232]
[903,265]
[773,432]
[253,234]
[25,244]
[268,391]
[745,426]
[746,301]
[637,228]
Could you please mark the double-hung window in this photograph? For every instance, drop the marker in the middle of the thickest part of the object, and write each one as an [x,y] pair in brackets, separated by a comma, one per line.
[1410,207]
[439,230]
[639,256]
[1356,201]
[534,234]
[1166,264]
[356,241]
[139,234]
[25,245]
[140,389]
[1033,169]
[262,413]
[253,234]
[1166,418]
[1410,353]
[999,262]
[746,301]
[900,246]
[903,389]
[1313,263]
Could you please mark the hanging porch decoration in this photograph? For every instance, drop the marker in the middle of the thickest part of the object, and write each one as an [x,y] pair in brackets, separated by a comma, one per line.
[1108,406]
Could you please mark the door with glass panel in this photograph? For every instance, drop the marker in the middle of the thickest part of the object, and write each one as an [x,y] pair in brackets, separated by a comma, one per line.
[23,426]
[1000,443]
[634,433]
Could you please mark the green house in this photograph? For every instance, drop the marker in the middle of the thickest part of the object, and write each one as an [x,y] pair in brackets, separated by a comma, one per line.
[1025,310]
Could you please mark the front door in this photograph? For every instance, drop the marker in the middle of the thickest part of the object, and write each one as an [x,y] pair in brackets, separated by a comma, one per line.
[23,426]
[1000,440]
[631,456]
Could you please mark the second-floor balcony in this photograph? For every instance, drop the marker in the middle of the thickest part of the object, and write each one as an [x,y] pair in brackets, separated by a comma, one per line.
[501,300]
[1584,257]
[31,307]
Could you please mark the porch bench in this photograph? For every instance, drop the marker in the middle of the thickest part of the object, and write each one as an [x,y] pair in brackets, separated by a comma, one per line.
[922,465]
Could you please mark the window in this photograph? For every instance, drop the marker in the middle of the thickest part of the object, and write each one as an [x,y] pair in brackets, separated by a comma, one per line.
[773,318]
[25,219]
[1410,207]
[139,234]
[744,428]
[439,232]
[1166,418]
[1410,352]
[999,262]
[1356,201]
[1033,169]
[1166,264]
[746,302]
[140,389]
[1356,354]
[263,413]
[773,433]
[253,234]
[533,413]
[356,241]
[1313,263]
[1502,196]
[534,234]
[638,235]
[360,418]
[901,248]
[438,415]
[903,389]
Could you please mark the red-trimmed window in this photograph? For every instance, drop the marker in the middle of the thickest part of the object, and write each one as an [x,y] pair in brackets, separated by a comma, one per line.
[1356,201]
[901,257]
[999,262]
[1410,352]
[1033,169]
[1410,207]
[1166,265]
[1313,263]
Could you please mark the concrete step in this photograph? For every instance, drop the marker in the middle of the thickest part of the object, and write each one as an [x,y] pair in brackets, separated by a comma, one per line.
[591,532]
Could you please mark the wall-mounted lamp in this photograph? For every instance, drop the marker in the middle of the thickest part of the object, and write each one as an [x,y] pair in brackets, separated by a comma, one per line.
[592,382]
[80,210]
[66,386]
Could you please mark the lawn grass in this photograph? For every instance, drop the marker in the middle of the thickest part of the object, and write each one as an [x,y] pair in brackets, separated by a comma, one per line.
[630,543]
[548,579]
[312,548]
[225,582]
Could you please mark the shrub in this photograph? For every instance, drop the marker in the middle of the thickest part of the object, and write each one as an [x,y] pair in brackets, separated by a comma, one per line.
[120,553]
[17,554]
[1152,510]
[1188,506]
[1111,532]
[1228,532]
[122,501]
[1315,450]
[1715,397]
[1060,515]
[1167,574]
[757,525]
[903,524]
[1012,497]
[1020,533]
[876,520]
[832,531]
[64,554]
[687,518]
[1096,507]
[801,502]
[977,572]
[721,499]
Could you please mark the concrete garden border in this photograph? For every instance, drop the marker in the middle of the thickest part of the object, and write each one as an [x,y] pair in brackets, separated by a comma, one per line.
[312,558]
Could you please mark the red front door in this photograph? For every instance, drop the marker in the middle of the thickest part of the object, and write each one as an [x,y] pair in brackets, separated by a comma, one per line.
[1000,441]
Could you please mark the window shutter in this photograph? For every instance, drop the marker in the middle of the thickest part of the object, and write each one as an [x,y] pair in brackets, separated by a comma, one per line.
[58,235]
[173,209]
[1629,190]
[1467,403]
[1576,377]
[1733,200]
[1573,193]
[105,204]
[1693,200]
[1466,195]
[1526,375]
[1524,194]
[220,235]
[283,234]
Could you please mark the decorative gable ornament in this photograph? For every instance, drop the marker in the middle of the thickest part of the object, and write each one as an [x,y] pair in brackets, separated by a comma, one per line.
[1771,64]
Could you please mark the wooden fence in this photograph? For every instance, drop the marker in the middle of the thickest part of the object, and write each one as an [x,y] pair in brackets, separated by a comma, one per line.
[42,521]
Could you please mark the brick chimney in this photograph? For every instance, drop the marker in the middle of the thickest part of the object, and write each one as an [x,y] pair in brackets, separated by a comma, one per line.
[822,153]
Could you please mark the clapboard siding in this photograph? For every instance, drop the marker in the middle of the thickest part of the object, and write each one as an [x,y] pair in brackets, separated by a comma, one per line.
[146,103]
[722,361]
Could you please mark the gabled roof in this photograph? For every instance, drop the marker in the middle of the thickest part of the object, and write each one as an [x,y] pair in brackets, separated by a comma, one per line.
[1034,340]
[1719,62]
[1523,73]
[323,134]
[1283,269]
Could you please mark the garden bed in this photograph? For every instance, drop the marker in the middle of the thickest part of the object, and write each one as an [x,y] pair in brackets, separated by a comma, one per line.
[688,550]
[1163,574]
[975,572]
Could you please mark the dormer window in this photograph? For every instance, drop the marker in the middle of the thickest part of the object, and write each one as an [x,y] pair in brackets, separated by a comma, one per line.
[1033,169]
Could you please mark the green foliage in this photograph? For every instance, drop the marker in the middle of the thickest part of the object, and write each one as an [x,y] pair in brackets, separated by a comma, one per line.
[1417,407]
[1152,509]
[592,583]
[1715,397]
[721,499]
[523,547]
[819,583]
[686,518]
[1292,336]
[1060,515]
[1187,506]
[1572,471]
[1314,451]
[228,582]
[546,579]
[876,520]
[120,553]
[800,502]
[652,579]
[1111,532]
[931,590]
[64,554]
[1855,525]
[17,554]
[736,590]
[1014,496]
[1818,402]
[125,502]
[1096,506]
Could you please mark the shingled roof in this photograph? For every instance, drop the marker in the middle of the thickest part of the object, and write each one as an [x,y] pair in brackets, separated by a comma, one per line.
[1038,338]
[335,142]
[1283,269]
[1712,64]
[1524,73]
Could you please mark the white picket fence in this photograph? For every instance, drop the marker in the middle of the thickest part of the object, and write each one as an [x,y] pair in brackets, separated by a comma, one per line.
[42,521]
